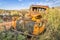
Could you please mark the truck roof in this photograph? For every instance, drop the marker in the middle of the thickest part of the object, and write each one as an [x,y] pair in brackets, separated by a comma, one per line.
[42,6]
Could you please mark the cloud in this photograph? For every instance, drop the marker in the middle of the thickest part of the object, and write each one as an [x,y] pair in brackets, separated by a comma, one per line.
[57,1]
[52,2]
[20,0]
[47,2]
[40,3]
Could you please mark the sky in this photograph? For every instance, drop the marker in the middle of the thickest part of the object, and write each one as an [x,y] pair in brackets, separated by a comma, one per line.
[25,4]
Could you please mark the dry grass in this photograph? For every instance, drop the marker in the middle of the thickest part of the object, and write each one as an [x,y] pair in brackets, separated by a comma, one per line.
[53,25]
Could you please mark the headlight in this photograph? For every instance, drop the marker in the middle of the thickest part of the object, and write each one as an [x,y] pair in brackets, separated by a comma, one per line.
[40,24]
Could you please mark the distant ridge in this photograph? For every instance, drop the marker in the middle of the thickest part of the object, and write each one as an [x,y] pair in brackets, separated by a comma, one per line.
[58,7]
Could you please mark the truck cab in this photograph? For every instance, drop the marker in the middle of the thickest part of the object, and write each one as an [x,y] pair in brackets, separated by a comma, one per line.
[35,13]
[38,8]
